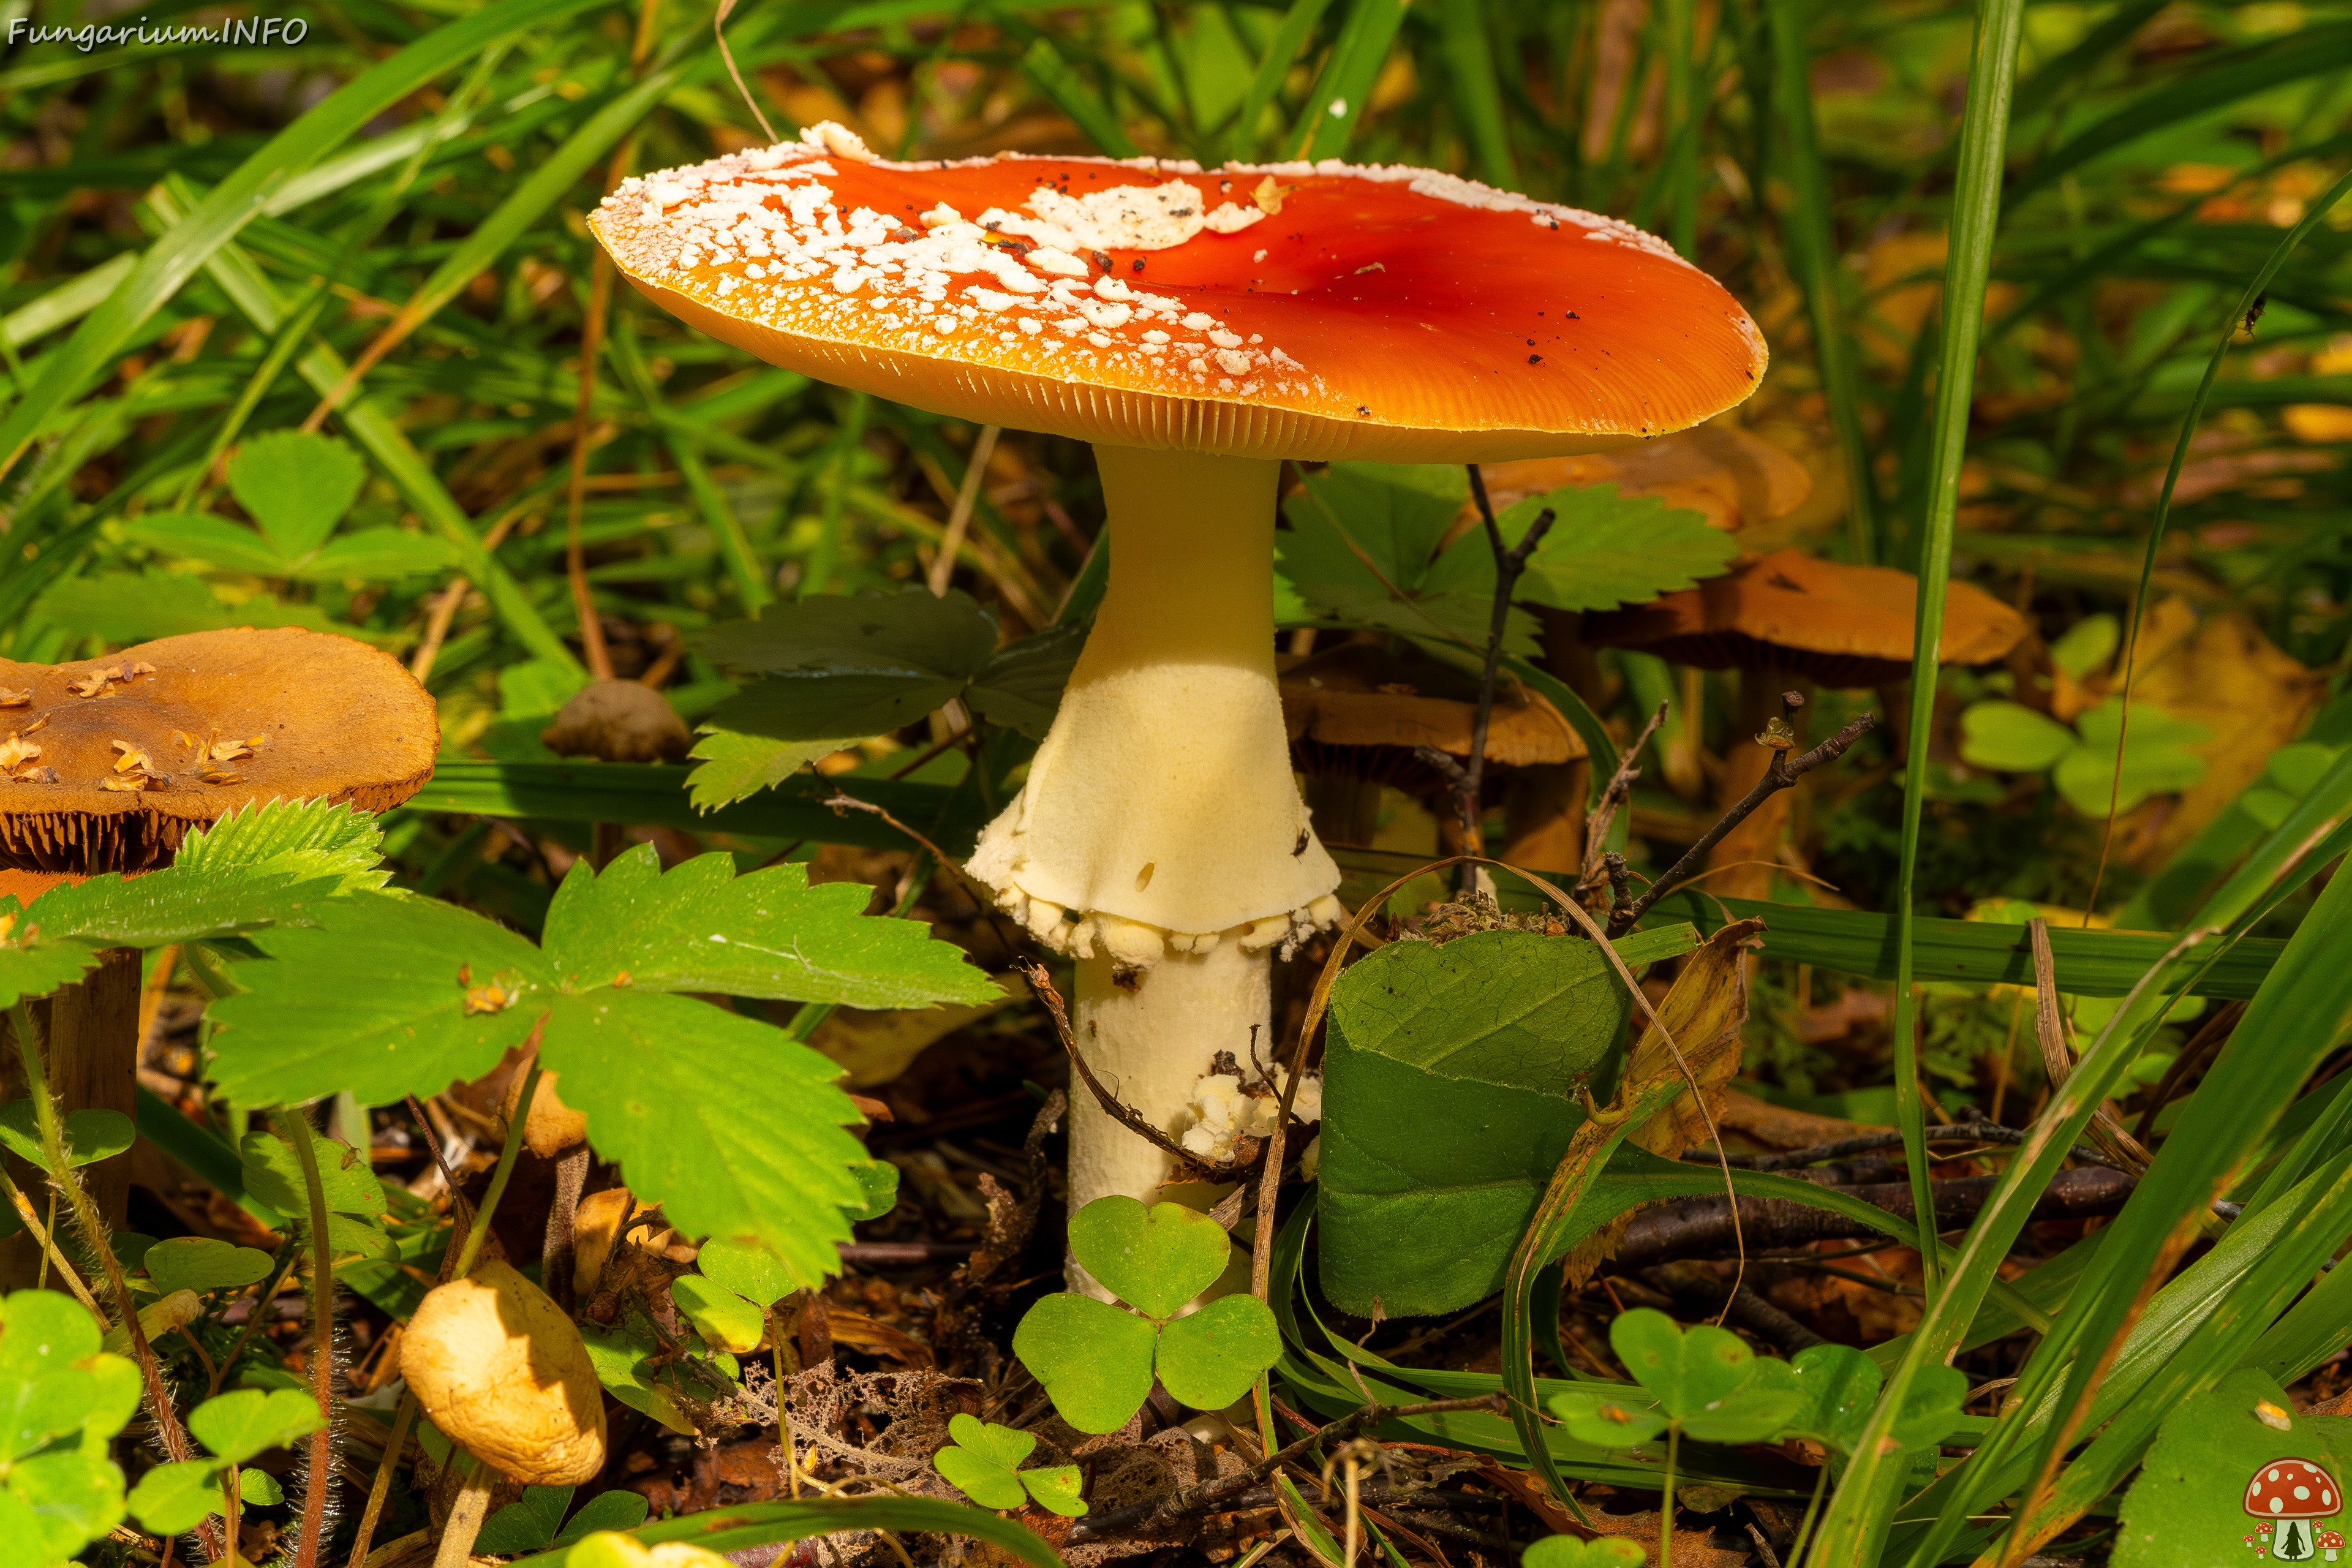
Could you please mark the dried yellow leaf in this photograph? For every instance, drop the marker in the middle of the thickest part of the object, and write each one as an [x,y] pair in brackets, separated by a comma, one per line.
[15,698]
[15,751]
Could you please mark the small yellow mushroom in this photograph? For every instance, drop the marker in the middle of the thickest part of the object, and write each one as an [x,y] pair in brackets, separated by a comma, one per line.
[502,1372]
[552,1126]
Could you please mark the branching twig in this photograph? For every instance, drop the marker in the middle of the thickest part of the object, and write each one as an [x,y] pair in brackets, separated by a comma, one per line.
[1613,798]
[1779,775]
[1510,563]
[1146,1517]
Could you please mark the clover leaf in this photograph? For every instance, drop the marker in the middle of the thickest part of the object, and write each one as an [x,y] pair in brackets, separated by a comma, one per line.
[234,1426]
[1567,1552]
[1097,1361]
[55,1383]
[983,1463]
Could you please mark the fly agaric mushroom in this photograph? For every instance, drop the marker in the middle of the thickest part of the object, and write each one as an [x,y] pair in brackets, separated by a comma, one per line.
[113,760]
[2292,1492]
[1788,621]
[1198,327]
[2331,1542]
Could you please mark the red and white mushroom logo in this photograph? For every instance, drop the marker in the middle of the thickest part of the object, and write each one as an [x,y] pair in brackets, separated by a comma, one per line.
[2291,1493]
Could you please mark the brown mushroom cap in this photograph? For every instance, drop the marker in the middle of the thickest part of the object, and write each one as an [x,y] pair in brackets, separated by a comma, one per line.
[501,1370]
[1720,471]
[1843,625]
[618,722]
[1287,311]
[326,718]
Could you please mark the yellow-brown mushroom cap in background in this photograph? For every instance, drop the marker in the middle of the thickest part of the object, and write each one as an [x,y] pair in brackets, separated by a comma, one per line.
[1841,625]
[1307,310]
[105,763]
[503,1372]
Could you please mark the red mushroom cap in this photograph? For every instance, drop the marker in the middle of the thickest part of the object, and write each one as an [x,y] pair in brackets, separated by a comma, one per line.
[2292,1488]
[1310,310]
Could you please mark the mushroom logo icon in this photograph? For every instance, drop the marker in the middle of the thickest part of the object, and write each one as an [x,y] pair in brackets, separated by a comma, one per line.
[2292,1494]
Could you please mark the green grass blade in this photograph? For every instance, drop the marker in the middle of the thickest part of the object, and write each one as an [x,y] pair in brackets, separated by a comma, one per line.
[171,260]
[1977,213]
[1281,53]
[1327,122]
[763,1524]
[1055,77]
[1849,1527]
[2238,75]
[1811,235]
[1476,96]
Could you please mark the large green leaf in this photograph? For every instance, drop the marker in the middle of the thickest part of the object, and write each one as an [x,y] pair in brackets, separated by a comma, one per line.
[1449,1095]
[1155,1259]
[702,928]
[396,995]
[736,1129]
[832,670]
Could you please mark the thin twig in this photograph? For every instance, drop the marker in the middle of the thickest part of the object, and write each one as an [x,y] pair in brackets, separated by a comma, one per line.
[1113,1107]
[1613,797]
[2058,1061]
[1778,775]
[719,34]
[296,1128]
[1510,563]
[1143,1518]
[381,1493]
[1869,1142]
[960,518]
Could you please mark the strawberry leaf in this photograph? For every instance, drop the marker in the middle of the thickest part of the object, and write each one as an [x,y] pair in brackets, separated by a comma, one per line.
[702,928]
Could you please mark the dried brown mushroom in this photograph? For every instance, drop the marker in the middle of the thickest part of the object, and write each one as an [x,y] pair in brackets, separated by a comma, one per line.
[113,761]
[501,1372]
[1788,621]
[618,722]
[170,736]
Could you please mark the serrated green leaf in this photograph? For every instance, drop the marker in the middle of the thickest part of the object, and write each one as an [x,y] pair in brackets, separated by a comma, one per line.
[273,1175]
[311,837]
[527,1524]
[1363,546]
[720,1316]
[1155,1259]
[176,905]
[754,1273]
[1604,549]
[199,1263]
[374,1001]
[172,1499]
[614,1510]
[1094,1359]
[89,1135]
[76,1497]
[297,484]
[1208,1359]
[1057,1488]
[736,1129]
[702,928]
[235,1427]
[34,963]
[737,766]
